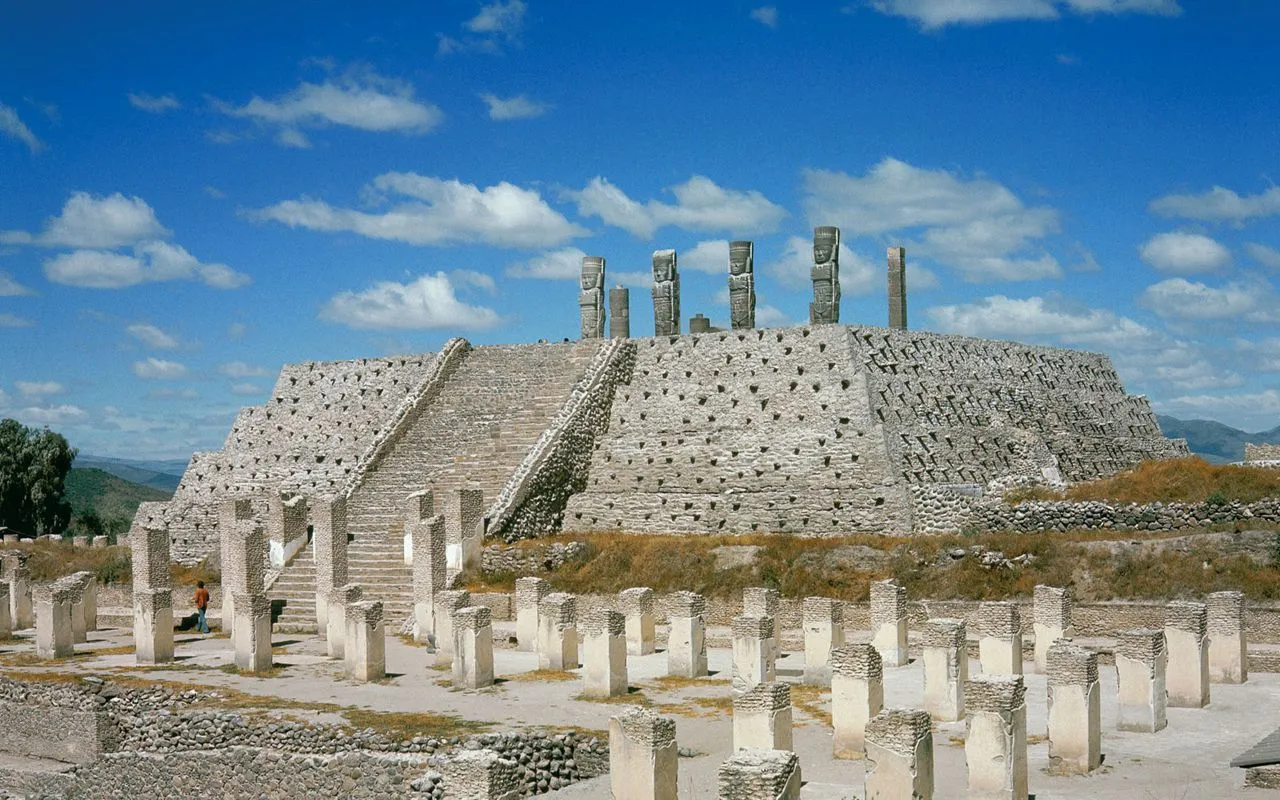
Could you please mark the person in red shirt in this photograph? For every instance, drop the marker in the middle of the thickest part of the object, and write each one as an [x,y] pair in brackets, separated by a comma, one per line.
[202,605]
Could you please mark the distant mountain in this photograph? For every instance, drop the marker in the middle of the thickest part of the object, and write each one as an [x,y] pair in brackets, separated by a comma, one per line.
[1213,440]
[163,475]
[114,499]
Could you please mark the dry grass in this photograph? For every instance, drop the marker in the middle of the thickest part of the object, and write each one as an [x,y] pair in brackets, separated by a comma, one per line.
[30,659]
[406,725]
[274,671]
[809,699]
[52,560]
[673,683]
[541,675]
[1184,480]
[633,697]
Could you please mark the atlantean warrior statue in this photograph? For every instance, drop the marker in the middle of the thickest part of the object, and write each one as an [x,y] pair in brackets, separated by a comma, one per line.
[825,307]
[742,285]
[591,298]
[666,294]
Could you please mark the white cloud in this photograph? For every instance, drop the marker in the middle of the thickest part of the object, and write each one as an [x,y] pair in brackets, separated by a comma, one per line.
[245,389]
[1219,205]
[999,316]
[768,316]
[151,262]
[427,303]
[52,415]
[518,107]
[1262,355]
[554,265]
[151,336]
[711,257]
[636,279]
[14,321]
[97,222]
[977,226]
[154,104]
[1180,299]
[1266,256]
[12,125]
[766,15]
[237,330]
[932,14]
[158,369]
[440,212]
[700,205]
[474,280]
[10,287]
[858,276]
[239,369]
[167,393]
[39,389]
[215,192]
[501,19]
[292,137]
[1184,253]
[1251,410]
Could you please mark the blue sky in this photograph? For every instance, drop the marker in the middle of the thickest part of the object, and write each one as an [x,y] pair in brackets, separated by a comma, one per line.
[192,197]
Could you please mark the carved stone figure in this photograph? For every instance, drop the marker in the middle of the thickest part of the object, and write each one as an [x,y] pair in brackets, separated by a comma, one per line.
[825,307]
[666,294]
[591,298]
[742,285]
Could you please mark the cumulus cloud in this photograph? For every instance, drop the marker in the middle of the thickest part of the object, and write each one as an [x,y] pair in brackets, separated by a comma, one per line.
[1250,410]
[50,415]
[239,369]
[97,222]
[496,24]
[700,205]
[1219,205]
[1180,299]
[438,212]
[1266,256]
[151,262]
[14,321]
[933,14]
[11,125]
[152,336]
[10,287]
[518,107]
[1184,253]
[154,104]
[554,265]
[766,16]
[159,369]
[36,390]
[857,274]
[428,303]
[246,389]
[974,225]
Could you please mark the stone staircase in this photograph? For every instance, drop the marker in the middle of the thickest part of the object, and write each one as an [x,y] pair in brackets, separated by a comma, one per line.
[374,562]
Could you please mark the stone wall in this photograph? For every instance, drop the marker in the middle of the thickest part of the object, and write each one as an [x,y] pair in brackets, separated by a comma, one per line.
[1268,454]
[527,560]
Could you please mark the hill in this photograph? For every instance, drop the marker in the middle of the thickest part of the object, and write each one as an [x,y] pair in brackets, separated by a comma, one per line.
[112,498]
[1213,440]
[163,475]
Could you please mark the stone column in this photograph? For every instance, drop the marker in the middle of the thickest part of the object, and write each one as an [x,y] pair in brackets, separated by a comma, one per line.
[75,587]
[758,601]
[1052,620]
[825,274]
[742,285]
[150,555]
[286,526]
[857,695]
[472,647]
[1000,638]
[246,571]
[643,756]
[752,653]
[447,604]
[762,717]
[1075,710]
[463,528]
[89,598]
[21,610]
[100,541]
[429,574]
[53,620]
[760,775]
[529,593]
[1186,635]
[1228,648]
[481,775]
[899,755]
[898,288]
[591,298]
[6,619]
[230,513]
[666,294]
[823,630]
[153,626]
[418,507]
[364,651]
[699,324]
[687,641]
[604,668]
[251,633]
[946,668]
[558,632]
[995,745]
[329,539]
[620,312]
[1140,669]
[637,606]
[336,626]
[889,621]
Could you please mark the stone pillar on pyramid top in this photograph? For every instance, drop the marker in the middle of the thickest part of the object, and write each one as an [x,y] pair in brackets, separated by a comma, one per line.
[687,641]
[753,661]
[946,668]
[666,294]
[245,572]
[429,573]
[825,273]
[995,745]
[447,603]
[336,627]
[1228,647]
[604,654]
[699,324]
[637,606]
[364,651]
[153,626]
[1075,710]
[286,527]
[17,575]
[251,633]
[857,695]
[619,313]
[643,756]
[529,593]
[900,755]
[762,717]
[230,514]
[53,619]
[1141,659]
[1186,634]
[591,297]
[823,630]
[481,775]
[472,647]
[463,510]
[889,621]
[558,632]
[760,775]
[742,285]
[1052,620]
[898,288]
[999,627]
[329,538]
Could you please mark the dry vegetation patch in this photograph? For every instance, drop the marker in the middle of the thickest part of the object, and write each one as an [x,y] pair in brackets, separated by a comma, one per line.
[1182,480]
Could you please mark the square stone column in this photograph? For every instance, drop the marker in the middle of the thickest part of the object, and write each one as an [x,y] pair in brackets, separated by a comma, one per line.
[1075,710]
[464,528]
[472,647]
[899,755]
[995,744]
[6,618]
[336,625]
[447,603]
[558,632]
[481,775]
[762,717]
[760,775]
[637,605]
[53,620]
[529,593]
[758,601]
[247,569]
[1051,610]
[687,641]
[604,667]
[857,695]
[999,627]
[823,630]
[1141,659]
[75,588]
[89,598]
[752,653]
[417,507]
[286,527]
[1186,635]
[946,668]
[16,575]
[329,541]
[429,574]
[251,636]
[149,549]
[889,621]
[643,756]
[364,650]
[100,541]
[230,514]
[1228,648]
[153,626]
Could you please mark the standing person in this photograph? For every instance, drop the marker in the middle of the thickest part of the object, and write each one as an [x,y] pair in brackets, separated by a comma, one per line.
[202,605]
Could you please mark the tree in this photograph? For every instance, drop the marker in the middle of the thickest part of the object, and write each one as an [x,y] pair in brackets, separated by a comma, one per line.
[33,471]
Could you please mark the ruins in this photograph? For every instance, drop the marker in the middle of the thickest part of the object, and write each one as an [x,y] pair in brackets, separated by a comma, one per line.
[825,308]
[666,294]
[591,298]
